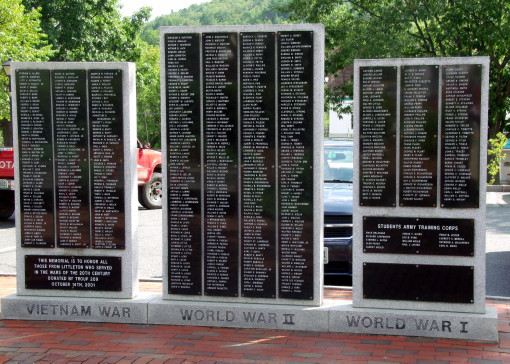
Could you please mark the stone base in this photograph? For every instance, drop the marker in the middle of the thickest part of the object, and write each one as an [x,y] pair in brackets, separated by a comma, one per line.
[333,316]
[449,325]
[250,316]
[132,311]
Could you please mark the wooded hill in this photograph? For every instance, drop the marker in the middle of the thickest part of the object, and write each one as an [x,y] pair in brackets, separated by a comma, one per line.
[218,12]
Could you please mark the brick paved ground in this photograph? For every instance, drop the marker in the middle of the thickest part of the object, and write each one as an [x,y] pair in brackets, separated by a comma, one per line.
[71,342]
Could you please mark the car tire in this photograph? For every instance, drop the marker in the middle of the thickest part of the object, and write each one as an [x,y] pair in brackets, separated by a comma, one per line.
[150,194]
[6,204]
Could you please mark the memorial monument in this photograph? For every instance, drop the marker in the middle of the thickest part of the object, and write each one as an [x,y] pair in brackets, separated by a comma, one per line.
[242,141]
[242,126]
[75,143]
[419,201]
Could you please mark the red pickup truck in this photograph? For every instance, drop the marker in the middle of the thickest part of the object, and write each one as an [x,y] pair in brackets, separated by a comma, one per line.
[6,182]
[148,168]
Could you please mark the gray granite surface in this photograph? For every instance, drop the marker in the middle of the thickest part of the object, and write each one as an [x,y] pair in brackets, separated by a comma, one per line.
[129,255]
[478,214]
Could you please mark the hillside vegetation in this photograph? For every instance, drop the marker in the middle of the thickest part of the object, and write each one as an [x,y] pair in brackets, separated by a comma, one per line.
[218,12]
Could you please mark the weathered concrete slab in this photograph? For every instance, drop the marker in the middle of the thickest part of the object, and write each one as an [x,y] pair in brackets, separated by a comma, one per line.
[133,311]
[252,316]
[449,325]
[333,316]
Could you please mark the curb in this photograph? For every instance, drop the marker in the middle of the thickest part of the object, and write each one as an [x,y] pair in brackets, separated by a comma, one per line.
[498,188]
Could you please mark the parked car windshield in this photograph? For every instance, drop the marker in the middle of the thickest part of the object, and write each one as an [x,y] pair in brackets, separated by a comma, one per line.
[338,164]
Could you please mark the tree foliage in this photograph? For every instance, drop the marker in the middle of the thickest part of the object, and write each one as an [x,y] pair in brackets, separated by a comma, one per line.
[90,30]
[416,28]
[218,12]
[148,96]
[95,31]
[21,39]
[495,154]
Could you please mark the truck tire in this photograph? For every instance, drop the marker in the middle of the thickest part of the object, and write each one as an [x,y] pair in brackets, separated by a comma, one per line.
[150,194]
[6,204]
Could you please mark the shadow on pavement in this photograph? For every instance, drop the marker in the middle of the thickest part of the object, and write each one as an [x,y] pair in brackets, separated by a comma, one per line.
[506,198]
[342,281]
[498,274]
[7,224]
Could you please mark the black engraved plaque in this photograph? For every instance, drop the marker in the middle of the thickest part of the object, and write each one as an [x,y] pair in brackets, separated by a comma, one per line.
[33,96]
[106,155]
[71,158]
[258,237]
[423,236]
[378,117]
[182,70]
[220,122]
[418,282]
[418,135]
[295,156]
[460,134]
[73,273]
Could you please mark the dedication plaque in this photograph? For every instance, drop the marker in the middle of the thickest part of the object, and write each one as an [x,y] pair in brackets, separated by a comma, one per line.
[424,236]
[258,178]
[35,143]
[220,115]
[73,142]
[460,133]
[66,272]
[418,135]
[295,75]
[107,167]
[418,282]
[71,158]
[242,120]
[378,113]
[182,75]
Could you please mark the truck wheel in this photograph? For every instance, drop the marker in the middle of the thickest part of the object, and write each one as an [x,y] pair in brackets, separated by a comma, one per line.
[6,204]
[150,194]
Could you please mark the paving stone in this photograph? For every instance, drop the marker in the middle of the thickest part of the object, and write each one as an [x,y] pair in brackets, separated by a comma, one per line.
[330,343]
[75,342]
[402,352]
[199,353]
[356,353]
[308,355]
[178,343]
[259,357]
[376,342]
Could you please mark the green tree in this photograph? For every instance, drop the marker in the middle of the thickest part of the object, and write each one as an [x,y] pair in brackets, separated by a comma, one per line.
[148,96]
[21,39]
[218,12]
[496,156]
[416,28]
[95,31]
[90,30]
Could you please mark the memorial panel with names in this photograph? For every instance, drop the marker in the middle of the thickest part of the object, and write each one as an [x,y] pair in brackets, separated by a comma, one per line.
[106,156]
[71,158]
[66,272]
[378,115]
[295,157]
[418,135]
[35,142]
[418,282]
[423,236]
[220,122]
[182,70]
[258,237]
[460,133]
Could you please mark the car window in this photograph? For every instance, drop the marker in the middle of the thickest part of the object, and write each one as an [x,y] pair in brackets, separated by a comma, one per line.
[338,164]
